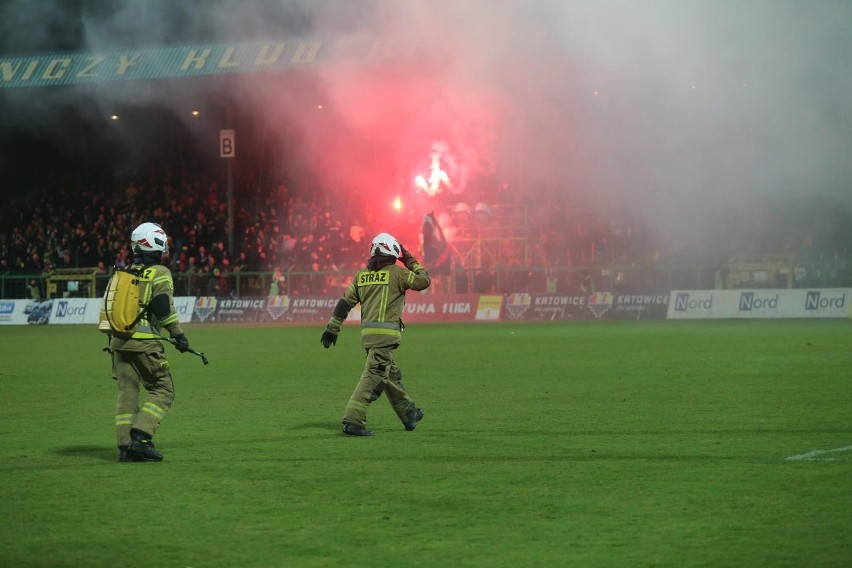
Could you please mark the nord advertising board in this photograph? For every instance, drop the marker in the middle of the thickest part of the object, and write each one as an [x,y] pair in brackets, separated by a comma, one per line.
[75,310]
[759,304]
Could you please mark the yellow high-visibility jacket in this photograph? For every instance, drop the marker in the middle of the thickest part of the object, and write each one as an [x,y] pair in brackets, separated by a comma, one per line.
[381,294]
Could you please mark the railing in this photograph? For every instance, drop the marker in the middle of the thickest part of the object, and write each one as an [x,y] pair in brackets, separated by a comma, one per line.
[819,273]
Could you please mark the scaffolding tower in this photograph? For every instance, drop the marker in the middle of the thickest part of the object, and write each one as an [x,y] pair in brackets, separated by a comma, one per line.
[490,237]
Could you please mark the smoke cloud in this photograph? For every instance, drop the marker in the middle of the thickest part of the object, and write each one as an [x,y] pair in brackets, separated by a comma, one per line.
[679,114]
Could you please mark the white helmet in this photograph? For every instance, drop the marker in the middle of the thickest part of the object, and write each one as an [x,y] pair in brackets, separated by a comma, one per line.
[149,237]
[385,244]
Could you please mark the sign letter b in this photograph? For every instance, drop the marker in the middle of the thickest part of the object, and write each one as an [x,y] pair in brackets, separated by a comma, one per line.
[227,147]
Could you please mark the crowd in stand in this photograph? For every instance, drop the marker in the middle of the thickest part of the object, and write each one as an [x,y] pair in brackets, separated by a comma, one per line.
[277,230]
[90,227]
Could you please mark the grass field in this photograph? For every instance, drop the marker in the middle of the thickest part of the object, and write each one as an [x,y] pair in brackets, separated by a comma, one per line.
[582,444]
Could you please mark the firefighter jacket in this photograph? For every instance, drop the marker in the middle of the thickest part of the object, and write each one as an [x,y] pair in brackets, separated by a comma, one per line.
[154,281]
[381,294]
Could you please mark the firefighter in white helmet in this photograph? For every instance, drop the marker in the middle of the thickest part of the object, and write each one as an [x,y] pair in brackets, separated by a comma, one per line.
[380,289]
[140,360]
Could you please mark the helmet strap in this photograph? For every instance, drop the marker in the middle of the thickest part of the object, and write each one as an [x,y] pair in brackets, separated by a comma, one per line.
[146,258]
[380,261]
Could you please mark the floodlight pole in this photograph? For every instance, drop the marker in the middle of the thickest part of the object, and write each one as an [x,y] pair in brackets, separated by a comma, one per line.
[227,151]
[230,193]
[230,209]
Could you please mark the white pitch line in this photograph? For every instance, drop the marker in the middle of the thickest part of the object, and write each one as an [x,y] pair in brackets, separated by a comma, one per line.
[817,453]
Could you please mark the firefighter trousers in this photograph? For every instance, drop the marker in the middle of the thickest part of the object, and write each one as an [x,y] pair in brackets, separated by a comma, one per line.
[379,367]
[134,370]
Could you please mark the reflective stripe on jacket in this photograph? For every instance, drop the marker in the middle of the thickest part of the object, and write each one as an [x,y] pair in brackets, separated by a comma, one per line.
[381,294]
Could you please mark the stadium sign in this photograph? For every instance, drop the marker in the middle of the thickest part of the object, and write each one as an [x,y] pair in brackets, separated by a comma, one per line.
[759,304]
[598,305]
[73,68]
[183,307]
[75,311]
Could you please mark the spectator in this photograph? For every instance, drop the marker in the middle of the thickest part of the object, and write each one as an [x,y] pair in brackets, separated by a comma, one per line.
[587,285]
[217,285]
[277,285]
[35,290]
[190,277]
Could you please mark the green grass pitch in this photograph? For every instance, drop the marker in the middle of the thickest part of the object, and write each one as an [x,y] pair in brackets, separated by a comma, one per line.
[574,444]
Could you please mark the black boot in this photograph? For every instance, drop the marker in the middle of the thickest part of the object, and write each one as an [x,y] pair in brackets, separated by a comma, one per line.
[355,430]
[123,456]
[413,415]
[141,447]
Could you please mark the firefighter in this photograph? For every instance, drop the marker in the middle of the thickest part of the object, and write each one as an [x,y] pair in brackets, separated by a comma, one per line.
[380,289]
[141,360]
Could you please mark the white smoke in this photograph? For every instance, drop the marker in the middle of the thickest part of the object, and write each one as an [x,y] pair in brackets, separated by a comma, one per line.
[685,113]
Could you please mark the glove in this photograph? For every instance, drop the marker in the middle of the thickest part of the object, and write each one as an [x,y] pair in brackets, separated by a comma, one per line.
[182,343]
[329,338]
[407,258]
